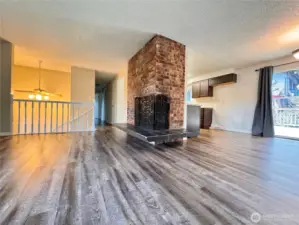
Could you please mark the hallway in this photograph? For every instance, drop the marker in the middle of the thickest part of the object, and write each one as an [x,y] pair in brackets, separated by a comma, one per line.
[107,177]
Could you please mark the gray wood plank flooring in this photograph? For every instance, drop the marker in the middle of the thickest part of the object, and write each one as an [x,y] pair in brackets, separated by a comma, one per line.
[109,178]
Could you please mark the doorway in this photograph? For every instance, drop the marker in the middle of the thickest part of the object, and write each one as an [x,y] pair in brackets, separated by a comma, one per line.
[285,103]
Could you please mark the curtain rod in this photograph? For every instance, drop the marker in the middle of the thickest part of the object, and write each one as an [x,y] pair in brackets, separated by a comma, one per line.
[284,64]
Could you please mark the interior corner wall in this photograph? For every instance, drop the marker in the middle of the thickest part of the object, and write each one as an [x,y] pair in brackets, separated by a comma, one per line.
[234,104]
[116,100]
[82,84]
[6,60]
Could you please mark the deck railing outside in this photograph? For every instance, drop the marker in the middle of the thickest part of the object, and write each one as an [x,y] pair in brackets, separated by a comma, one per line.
[286,117]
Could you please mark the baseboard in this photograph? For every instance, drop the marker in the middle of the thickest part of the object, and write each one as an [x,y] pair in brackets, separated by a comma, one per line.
[91,130]
[239,131]
[230,130]
[5,134]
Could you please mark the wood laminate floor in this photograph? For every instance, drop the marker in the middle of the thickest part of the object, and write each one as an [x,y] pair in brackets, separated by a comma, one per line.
[109,178]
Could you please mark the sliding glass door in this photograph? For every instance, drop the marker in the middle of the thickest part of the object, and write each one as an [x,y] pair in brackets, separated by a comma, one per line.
[285,96]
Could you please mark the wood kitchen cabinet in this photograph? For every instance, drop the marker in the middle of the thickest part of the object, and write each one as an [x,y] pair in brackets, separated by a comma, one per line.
[225,79]
[202,89]
[205,89]
[206,116]
[195,89]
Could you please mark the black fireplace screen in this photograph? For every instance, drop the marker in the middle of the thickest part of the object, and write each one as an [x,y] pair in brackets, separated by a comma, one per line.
[152,112]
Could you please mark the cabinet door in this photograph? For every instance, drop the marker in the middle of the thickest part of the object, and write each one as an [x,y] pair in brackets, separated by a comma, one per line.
[204,88]
[201,117]
[207,118]
[213,81]
[229,78]
[195,90]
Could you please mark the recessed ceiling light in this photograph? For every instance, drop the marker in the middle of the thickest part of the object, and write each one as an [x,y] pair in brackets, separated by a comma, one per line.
[296,54]
[291,36]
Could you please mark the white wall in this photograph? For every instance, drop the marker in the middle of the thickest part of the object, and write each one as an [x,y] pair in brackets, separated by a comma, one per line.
[83,90]
[6,60]
[234,104]
[82,84]
[116,100]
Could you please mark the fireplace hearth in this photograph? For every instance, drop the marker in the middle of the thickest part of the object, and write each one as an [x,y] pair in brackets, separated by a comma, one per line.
[152,112]
[152,121]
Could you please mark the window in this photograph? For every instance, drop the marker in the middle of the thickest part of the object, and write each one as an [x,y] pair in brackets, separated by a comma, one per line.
[285,98]
[188,95]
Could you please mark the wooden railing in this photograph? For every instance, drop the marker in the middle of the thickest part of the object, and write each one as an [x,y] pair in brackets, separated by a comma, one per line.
[81,122]
[287,117]
[35,117]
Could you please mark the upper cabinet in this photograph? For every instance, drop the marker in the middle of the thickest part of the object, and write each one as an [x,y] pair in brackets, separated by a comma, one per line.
[225,79]
[195,89]
[204,88]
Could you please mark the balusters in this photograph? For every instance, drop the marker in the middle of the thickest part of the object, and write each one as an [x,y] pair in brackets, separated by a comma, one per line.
[68,116]
[51,122]
[19,117]
[73,117]
[39,117]
[62,128]
[56,117]
[25,118]
[286,117]
[45,122]
[78,117]
[32,117]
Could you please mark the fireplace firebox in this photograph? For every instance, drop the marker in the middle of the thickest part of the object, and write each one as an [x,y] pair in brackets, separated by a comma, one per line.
[152,112]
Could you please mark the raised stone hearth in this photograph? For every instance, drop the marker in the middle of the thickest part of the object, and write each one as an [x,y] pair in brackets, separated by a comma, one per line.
[156,136]
[158,68]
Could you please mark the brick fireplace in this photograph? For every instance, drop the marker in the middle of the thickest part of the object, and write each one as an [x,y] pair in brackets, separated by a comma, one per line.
[158,68]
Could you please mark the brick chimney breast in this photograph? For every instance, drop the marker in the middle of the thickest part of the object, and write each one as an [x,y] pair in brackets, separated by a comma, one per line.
[159,67]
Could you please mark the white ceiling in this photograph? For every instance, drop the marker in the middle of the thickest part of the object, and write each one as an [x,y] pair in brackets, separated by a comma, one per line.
[104,34]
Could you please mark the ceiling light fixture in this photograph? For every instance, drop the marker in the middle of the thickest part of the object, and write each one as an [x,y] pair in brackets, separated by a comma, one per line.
[296,54]
[38,93]
[31,96]
[39,97]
